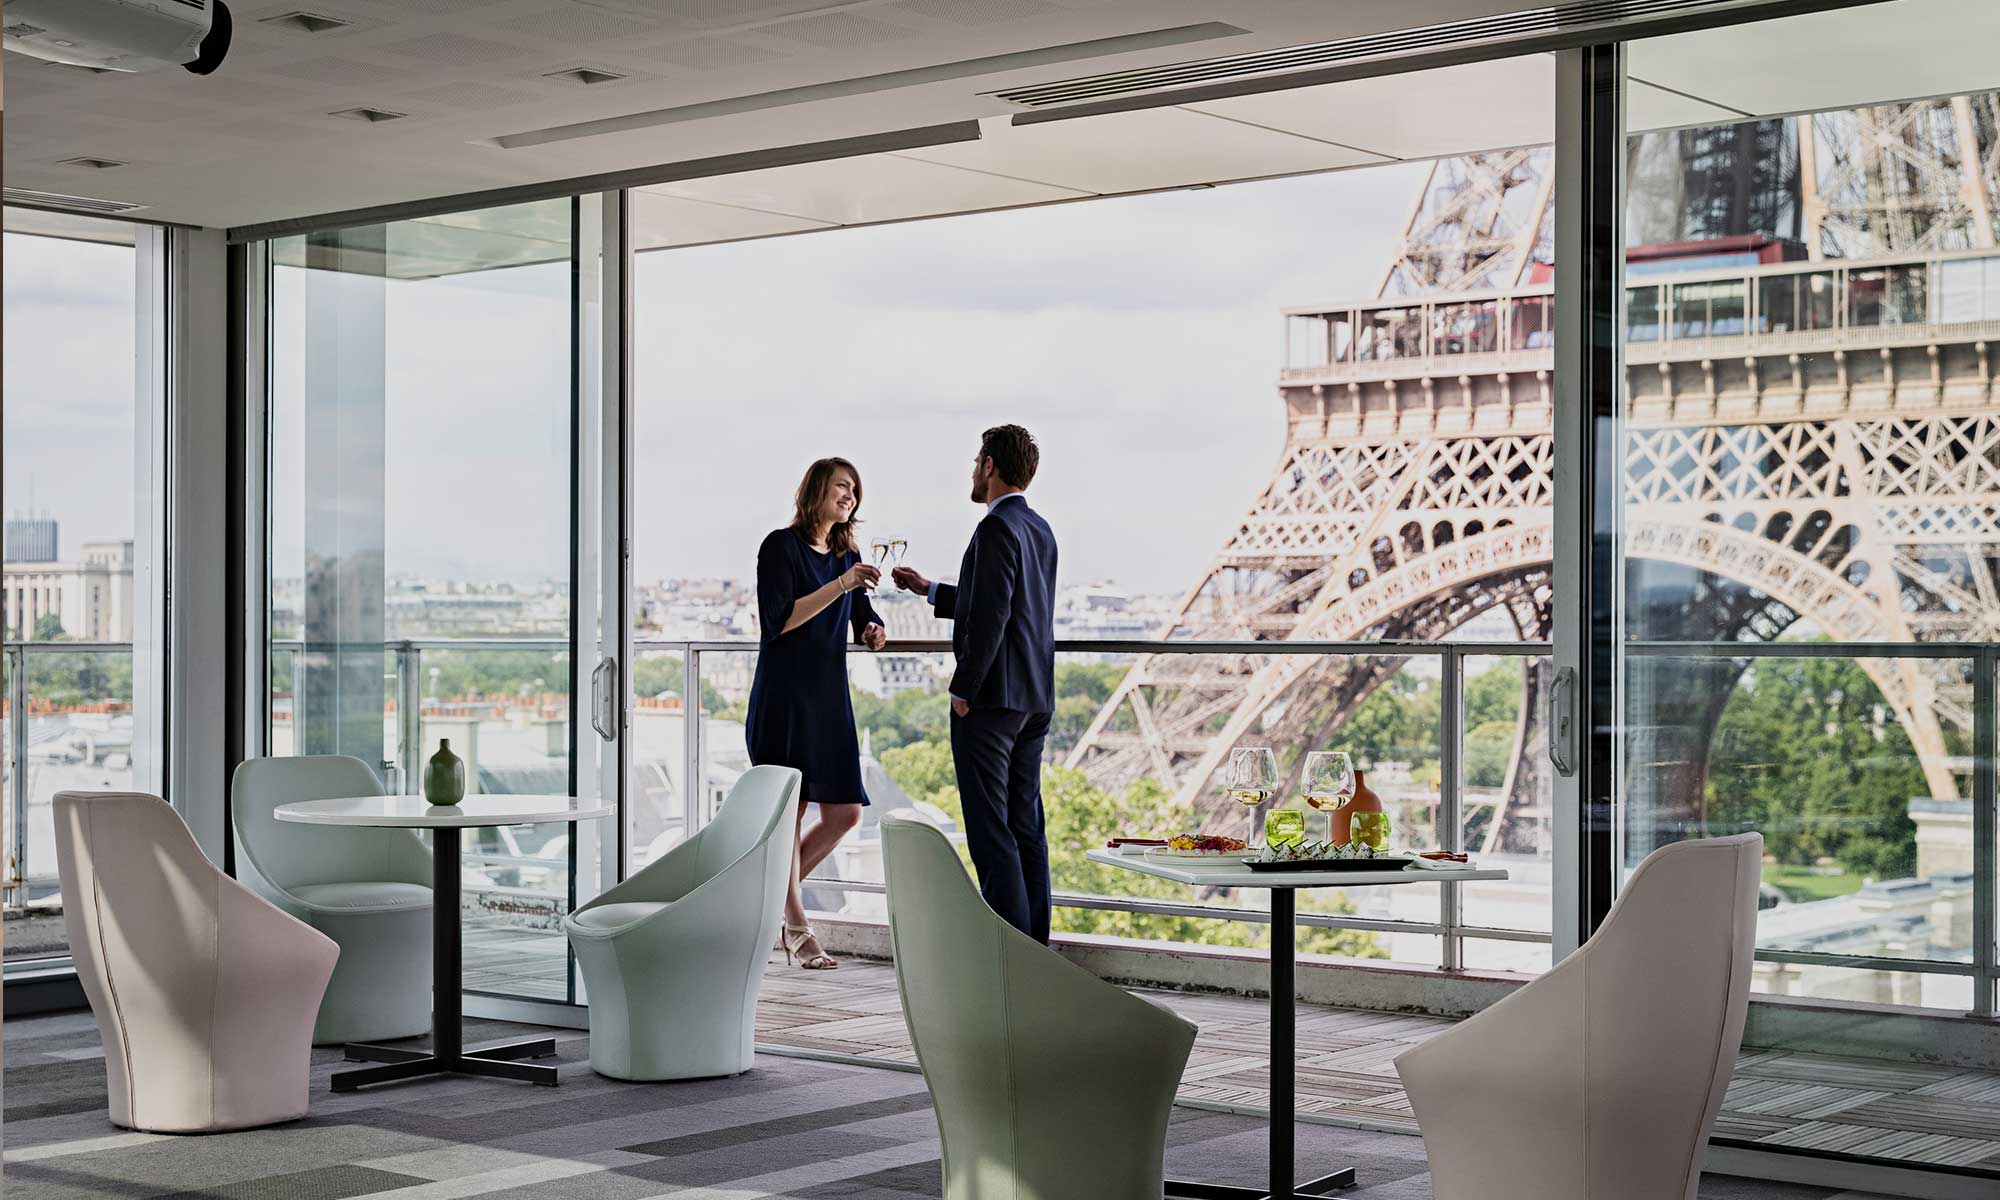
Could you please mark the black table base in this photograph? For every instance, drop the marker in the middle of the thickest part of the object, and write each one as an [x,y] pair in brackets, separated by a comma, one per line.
[448,1055]
[1284,1100]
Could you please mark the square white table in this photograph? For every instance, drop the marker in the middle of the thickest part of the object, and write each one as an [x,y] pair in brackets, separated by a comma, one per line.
[448,1053]
[1230,872]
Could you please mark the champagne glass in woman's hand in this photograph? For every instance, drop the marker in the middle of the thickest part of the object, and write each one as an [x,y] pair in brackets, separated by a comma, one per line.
[860,575]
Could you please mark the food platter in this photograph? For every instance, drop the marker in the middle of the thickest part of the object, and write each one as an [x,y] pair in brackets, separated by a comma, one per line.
[1384,862]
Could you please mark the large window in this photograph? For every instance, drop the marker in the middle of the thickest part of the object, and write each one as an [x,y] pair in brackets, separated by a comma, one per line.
[420,534]
[81,385]
[1205,487]
[1808,532]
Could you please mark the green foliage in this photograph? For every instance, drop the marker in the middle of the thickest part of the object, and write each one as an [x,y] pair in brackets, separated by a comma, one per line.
[1398,722]
[662,675]
[48,628]
[1081,692]
[1799,757]
[902,719]
[1081,816]
[84,677]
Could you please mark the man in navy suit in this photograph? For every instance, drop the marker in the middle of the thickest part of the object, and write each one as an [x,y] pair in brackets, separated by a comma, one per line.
[1003,692]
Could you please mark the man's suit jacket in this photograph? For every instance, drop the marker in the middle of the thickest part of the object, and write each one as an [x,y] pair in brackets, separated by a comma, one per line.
[1003,612]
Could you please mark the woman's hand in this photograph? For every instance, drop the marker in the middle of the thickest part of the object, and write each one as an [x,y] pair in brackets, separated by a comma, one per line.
[874,637]
[860,575]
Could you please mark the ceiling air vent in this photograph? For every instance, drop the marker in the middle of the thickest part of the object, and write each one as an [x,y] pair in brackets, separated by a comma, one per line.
[1494,30]
[373,116]
[584,75]
[305,22]
[84,204]
[93,164]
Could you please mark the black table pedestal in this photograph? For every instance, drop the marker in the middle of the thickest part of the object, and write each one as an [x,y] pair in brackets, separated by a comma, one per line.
[448,1055]
[1284,1039]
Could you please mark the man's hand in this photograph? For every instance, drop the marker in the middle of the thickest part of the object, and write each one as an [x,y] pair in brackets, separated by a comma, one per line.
[959,706]
[909,580]
[874,637]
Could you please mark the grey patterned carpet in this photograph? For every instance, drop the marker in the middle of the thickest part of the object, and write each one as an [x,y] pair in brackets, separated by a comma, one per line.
[790,1127]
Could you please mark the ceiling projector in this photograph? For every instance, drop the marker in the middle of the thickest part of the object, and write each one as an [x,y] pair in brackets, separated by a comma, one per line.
[120,35]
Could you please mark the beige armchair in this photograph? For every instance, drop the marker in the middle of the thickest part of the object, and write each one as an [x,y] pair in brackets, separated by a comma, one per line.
[1603,1077]
[1049,1083]
[204,992]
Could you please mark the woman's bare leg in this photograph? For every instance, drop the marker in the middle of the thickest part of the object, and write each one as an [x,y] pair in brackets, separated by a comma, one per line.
[810,848]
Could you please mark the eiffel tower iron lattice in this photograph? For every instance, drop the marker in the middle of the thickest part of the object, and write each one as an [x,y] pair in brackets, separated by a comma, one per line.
[1815,439]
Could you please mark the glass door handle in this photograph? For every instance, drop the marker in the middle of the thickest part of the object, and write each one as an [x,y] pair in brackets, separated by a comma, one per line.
[604,698]
[1562,724]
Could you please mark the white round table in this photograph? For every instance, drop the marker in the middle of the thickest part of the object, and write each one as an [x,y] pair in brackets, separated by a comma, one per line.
[448,1053]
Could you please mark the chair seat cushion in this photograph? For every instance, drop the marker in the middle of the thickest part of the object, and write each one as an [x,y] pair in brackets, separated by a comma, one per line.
[613,916]
[382,895]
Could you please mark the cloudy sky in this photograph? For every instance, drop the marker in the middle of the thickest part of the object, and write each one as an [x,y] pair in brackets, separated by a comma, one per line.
[1139,338]
[69,381]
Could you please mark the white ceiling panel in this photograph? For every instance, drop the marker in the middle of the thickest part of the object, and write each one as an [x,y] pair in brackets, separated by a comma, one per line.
[876,187]
[1841,59]
[1651,107]
[1136,151]
[1426,114]
[660,220]
[254,143]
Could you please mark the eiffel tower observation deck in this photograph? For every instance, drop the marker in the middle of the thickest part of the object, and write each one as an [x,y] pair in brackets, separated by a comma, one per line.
[1811,448]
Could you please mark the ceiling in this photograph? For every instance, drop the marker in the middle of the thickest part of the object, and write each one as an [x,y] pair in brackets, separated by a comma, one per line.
[470,71]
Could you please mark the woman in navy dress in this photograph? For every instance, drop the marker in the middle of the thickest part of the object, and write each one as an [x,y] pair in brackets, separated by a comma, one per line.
[809,593]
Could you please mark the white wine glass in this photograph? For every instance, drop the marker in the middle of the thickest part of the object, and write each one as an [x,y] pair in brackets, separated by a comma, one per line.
[1329,783]
[1253,777]
[886,552]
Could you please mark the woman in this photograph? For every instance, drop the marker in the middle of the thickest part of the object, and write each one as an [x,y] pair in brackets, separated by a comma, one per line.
[808,577]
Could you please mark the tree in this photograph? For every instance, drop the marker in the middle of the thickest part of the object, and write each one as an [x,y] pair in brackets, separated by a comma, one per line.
[664,675]
[48,628]
[1805,754]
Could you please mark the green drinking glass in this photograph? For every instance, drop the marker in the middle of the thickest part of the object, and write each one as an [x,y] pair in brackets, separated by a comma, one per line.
[1371,829]
[1284,827]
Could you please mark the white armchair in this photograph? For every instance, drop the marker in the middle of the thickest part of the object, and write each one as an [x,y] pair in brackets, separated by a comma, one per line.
[204,993]
[672,957]
[367,889]
[1049,1083]
[1603,1077]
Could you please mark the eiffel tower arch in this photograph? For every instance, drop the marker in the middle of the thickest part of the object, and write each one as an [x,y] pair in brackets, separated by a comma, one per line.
[1843,474]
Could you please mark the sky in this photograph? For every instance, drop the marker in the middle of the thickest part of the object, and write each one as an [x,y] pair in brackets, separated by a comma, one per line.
[69,381]
[1139,338]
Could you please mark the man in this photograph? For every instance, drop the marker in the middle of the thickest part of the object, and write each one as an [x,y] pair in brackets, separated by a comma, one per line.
[1003,692]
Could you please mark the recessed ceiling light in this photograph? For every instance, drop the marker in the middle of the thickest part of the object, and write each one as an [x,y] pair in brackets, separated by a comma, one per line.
[584,75]
[92,164]
[374,116]
[305,22]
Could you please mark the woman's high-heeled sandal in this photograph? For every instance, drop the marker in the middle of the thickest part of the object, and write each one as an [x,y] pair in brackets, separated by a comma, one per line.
[796,937]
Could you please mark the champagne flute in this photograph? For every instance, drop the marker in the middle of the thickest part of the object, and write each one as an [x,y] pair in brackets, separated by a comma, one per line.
[887,552]
[1329,783]
[1253,776]
[878,553]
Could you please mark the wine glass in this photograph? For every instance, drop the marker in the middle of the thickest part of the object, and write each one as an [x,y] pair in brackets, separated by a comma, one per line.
[1253,776]
[1329,783]
[887,552]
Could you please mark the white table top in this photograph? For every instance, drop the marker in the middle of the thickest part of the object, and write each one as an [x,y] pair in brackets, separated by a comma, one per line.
[1230,872]
[415,812]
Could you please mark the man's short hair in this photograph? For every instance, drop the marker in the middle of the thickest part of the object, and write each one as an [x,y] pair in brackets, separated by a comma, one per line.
[1014,453]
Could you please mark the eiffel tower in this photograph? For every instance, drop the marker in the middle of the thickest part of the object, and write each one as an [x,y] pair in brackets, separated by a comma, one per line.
[1828,462]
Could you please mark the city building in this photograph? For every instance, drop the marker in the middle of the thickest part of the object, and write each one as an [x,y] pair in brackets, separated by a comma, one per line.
[88,600]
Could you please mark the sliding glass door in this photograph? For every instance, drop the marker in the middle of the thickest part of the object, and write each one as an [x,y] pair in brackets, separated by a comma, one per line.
[421,529]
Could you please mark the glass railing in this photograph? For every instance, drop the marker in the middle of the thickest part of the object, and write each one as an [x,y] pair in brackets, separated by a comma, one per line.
[68,708]
[1869,770]
[1440,732]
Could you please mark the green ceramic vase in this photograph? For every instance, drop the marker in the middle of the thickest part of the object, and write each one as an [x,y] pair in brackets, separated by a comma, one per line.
[444,776]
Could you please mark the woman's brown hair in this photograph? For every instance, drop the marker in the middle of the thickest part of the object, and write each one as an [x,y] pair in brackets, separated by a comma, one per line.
[812,490]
